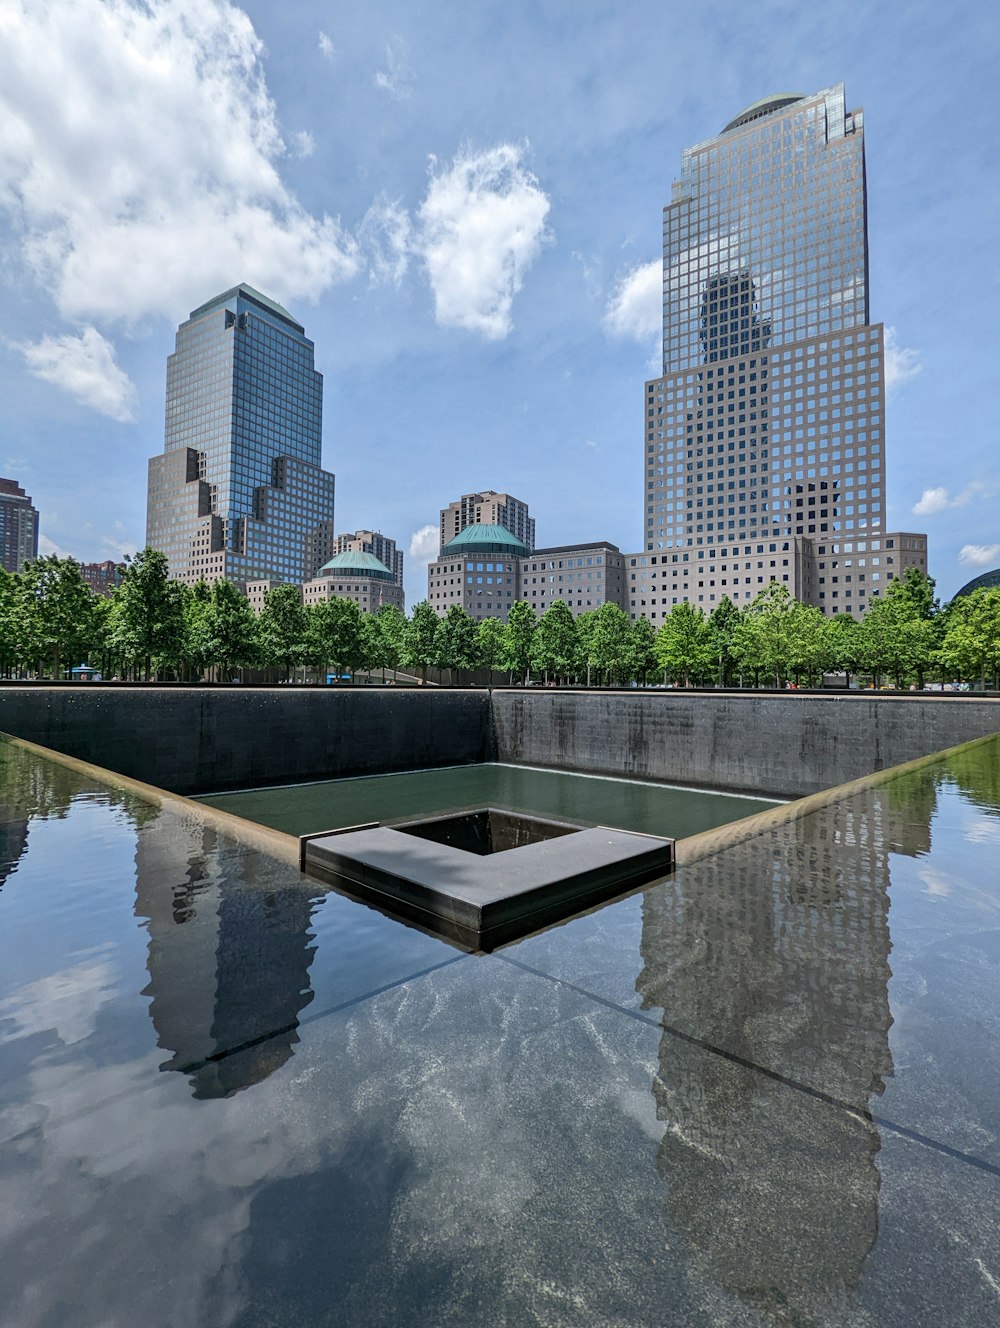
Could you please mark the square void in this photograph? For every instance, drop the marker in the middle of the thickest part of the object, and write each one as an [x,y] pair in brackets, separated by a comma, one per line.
[484,876]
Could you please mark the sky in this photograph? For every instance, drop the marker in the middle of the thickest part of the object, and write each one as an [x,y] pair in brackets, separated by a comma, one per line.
[462,204]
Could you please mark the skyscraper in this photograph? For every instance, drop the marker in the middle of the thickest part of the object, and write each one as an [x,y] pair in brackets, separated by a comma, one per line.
[18,527]
[488,508]
[764,440]
[238,491]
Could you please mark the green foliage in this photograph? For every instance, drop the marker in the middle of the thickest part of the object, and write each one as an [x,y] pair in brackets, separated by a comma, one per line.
[767,639]
[724,620]
[490,644]
[147,618]
[335,632]
[392,626]
[686,646]
[640,650]
[971,645]
[230,629]
[283,629]
[519,634]
[419,642]
[554,644]
[609,641]
[55,611]
[455,640]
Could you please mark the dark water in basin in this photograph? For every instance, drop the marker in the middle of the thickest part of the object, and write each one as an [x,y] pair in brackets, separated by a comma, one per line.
[762,1092]
[651,809]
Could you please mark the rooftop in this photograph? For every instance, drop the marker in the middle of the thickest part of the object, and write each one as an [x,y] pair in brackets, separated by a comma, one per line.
[245,292]
[355,563]
[766,106]
[487,538]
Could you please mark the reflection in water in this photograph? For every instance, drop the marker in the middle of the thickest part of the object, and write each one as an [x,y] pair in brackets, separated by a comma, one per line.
[228,958]
[777,953]
[13,841]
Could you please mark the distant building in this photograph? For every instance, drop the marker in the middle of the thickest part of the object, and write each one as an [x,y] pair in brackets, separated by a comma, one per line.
[484,509]
[985,581]
[238,491]
[358,576]
[486,569]
[764,439]
[257,591]
[102,577]
[374,542]
[18,527]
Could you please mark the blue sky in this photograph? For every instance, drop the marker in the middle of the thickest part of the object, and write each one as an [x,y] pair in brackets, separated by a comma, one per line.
[461,202]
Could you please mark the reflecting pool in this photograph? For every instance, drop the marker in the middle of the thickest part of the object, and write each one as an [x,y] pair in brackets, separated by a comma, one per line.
[763,1091]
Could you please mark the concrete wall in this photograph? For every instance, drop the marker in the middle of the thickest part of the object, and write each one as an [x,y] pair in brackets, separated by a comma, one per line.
[200,739]
[787,743]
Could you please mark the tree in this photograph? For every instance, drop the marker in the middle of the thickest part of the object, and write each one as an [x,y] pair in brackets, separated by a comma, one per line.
[230,629]
[489,646]
[197,643]
[518,636]
[971,646]
[336,635]
[640,650]
[686,647]
[609,641]
[844,643]
[392,625]
[723,621]
[283,629]
[455,641]
[148,615]
[418,645]
[554,644]
[898,635]
[56,609]
[765,640]
[9,601]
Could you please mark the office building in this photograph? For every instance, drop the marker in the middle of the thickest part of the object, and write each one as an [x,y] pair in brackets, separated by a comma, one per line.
[374,542]
[355,575]
[238,491]
[486,569]
[764,439]
[18,527]
[102,577]
[484,509]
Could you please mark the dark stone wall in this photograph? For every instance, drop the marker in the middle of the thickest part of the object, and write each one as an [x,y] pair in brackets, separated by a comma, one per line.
[786,744]
[202,739]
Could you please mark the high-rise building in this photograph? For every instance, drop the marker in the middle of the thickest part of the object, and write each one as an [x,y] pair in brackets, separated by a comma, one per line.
[102,577]
[238,491]
[486,509]
[18,527]
[374,542]
[764,439]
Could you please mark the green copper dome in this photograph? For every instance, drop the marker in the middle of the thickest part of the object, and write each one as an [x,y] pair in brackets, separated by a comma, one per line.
[764,107]
[486,538]
[356,564]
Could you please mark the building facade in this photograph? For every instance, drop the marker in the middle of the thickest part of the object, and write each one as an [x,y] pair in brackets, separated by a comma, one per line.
[484,509]
[486,569]
[102,577]
[764,439]
[18,527]
[355,575]
[374,542]
[238,491]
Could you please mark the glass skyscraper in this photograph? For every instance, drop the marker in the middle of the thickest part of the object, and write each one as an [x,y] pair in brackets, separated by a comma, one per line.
[764,440]
[238,490]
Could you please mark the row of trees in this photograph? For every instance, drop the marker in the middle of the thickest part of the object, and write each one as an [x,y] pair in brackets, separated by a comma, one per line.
[154,627]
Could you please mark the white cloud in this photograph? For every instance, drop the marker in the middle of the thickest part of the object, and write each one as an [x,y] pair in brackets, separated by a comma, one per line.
[303,144]
[424,544]
[481,226]
[48,548]
[935,882]
[326,47]
[84,366]
[931,501]
[635,308]
[67,1002]
[397,78]
[901,362]
[385,236]
[979,555]
[939,499]
[140,159]
[983,830]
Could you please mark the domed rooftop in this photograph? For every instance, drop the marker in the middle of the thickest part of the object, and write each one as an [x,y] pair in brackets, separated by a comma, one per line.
[764,107]
[987,581]
[485,538]
[356,564]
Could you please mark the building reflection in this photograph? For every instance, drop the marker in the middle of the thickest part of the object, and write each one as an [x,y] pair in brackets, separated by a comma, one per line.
[729,319]
[775,953]
[228,955]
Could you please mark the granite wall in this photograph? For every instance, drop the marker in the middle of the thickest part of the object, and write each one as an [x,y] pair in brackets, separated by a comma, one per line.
[785,743]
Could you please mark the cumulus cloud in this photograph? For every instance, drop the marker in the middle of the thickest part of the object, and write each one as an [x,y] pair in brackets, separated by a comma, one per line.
[424,544]
[901,362]
[939,499]
[140,159]
[480,227]
[386,239]
[979,555]
[635,308]
[397,78]
[48,548]
[85,367]
[326,47]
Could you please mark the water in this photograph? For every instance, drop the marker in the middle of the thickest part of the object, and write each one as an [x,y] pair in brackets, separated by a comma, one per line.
[652,809]
[764,1091]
